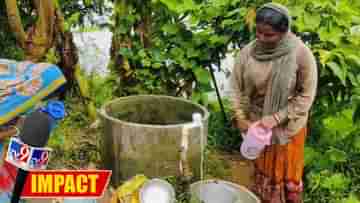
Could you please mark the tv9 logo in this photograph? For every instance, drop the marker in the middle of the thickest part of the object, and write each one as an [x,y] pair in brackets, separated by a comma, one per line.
[39,158]
[27,157]
[18,152]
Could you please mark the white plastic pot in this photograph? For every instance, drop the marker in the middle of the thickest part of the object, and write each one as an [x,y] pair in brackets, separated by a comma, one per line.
[255,141]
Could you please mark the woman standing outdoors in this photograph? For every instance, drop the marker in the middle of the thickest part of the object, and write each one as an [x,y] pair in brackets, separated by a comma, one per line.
[274,81]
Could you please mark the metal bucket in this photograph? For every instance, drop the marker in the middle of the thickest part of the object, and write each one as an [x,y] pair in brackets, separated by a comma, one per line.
[218,191]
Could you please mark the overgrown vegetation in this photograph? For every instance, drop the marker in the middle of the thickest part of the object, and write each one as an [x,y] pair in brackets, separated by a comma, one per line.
[222,134]
[75,142]
[332,159]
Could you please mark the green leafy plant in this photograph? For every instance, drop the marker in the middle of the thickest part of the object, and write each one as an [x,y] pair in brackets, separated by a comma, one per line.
[168,47]
[332,159]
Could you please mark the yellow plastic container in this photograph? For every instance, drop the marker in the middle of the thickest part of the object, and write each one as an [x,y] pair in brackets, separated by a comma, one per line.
[129,191]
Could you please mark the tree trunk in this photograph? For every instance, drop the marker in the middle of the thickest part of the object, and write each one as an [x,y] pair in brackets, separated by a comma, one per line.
[121,65]
[39,37]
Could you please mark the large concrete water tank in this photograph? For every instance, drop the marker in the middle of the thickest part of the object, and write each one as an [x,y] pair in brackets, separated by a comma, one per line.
[142,135]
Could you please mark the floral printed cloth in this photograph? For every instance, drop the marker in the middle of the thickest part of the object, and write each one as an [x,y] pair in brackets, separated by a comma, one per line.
[24,84]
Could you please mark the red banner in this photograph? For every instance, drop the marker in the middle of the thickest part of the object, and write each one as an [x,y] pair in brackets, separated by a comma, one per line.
[66,183]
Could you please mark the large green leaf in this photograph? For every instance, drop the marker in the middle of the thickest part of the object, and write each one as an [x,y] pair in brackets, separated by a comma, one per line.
[125,52]
[215,39]
[192,52]
[340,123]
[235,2]
[356,144]
[72,20]
[356,19]
[172,4]
[345,13]
[353,79]
[179,6]
[204,99]
[212,12]
[237,11]
[88,2]
[300,24]
[202,75]
[297,10]
[177,52]
[332,34]
[336,155]
[312,22]
[338,71]
[356,118]
[355,59]
[325,55]
[314,180]
[351,199]
[142,53]
[310,155]
[188,5]
[219,3]
[228,22]
[146,62]
[337,181]
[196,97]
[157,65]
[170,28]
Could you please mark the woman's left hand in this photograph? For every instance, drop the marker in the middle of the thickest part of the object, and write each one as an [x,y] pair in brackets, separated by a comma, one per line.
[268,122]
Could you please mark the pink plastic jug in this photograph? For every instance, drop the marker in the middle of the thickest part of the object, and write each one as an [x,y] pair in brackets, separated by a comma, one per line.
[257,137]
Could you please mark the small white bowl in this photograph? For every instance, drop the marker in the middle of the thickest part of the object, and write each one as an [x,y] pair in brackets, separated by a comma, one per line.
[157,191]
